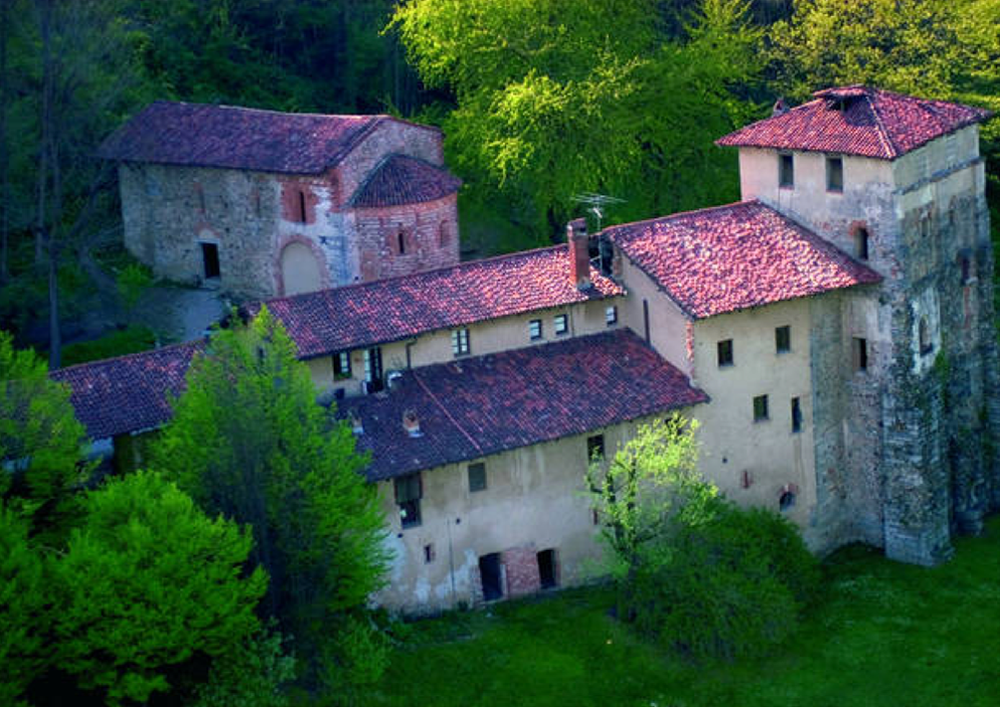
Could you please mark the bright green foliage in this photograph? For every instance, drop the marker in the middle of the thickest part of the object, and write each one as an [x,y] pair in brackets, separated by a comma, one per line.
[558,97]
[249,441]
[41,442]
[24,614]
[148,582]
[694,571]
[250,674]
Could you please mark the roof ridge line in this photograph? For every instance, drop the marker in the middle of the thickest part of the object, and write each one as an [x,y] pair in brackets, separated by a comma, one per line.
[446,412]
[193,343]
[892,149]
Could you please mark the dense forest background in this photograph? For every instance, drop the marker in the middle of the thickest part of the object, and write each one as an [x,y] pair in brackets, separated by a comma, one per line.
[540,100]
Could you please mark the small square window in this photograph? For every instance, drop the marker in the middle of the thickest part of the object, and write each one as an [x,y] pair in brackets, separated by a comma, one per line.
[834,174]
[859,353]
[783,339]
[477,477]
[342,365]
[725,352]
[595,447]
[611,315]
[786,171]
[760,408]
[560,324]
[460,342]
[535,329]
[796,415]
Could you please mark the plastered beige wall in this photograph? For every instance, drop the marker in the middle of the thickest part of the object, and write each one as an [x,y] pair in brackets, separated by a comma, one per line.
[487,337]
[535,497]
[668,326]
[731,442]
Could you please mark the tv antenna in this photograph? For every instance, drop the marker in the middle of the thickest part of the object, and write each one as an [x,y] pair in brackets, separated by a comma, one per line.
[597,202]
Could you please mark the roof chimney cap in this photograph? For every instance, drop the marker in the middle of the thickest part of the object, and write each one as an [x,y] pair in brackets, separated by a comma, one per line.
[577,227]
[411,423]
[357,427]
[780,107]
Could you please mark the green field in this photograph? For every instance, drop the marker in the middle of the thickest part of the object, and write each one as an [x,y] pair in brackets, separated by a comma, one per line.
[882,634]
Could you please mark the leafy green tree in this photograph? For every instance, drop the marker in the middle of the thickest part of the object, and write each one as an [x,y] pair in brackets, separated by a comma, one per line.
[41,442]
[558,97]
[249,441]
[250,674]
[24,608]
[148,582]
[694,571]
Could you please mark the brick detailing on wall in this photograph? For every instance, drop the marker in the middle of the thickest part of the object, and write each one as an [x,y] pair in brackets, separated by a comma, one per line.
[521,564]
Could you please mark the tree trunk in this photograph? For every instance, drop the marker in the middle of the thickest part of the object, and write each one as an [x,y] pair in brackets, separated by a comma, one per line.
[4,157]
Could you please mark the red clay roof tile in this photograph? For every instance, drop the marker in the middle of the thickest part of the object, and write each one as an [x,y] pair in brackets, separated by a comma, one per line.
[128,393]
[727,258]
[199,135]
[400,179]
[857,120]
[479,406]
[398,308]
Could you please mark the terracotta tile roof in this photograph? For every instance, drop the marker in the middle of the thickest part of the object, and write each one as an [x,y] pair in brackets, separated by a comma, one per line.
[398,308]
[488,404]
[727,258]
[400,179]
[856,120]
[128,393]
[201,135]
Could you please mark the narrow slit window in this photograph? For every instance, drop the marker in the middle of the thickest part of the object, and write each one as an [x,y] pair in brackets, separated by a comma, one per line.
[724,352]
[859,353]
[861,243]
[926,345]
[786,171]
[783,339]
[835,174]
[401,243]
[760,413]
[302,206]
[796,415]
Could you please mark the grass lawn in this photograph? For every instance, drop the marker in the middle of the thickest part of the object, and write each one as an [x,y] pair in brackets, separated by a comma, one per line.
[882,634]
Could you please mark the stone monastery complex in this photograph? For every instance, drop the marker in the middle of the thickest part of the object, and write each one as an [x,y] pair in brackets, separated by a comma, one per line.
[833,331]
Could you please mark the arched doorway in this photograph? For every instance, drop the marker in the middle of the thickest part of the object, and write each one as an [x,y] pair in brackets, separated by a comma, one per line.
[299,269]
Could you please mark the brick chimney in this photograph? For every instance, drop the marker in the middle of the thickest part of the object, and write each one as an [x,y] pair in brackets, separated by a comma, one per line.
[579,253]
[411,424]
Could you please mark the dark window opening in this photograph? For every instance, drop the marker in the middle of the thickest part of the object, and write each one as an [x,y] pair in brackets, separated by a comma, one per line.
[645,317]
[595,447]
[561,324]
[491,574]
[428,553]
[477,477]
[859,353]
[783,339]
[760,408]
[861,243]
[547,569]
[966,264]
[786,500]
[302,206]
[834,174]
[786,171]
[409,491]
[210,259]
[401,243]
[443,234]
[926,346]
[724,352]
[535,329]
[342,365]
[373,369]
[796,415]
[611,315]
[606,253]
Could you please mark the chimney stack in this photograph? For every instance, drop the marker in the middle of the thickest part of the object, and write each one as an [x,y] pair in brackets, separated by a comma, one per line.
[411,423]
[579,253]
[780,107]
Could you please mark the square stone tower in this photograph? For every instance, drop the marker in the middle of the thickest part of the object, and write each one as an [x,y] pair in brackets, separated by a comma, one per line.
[906,378]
